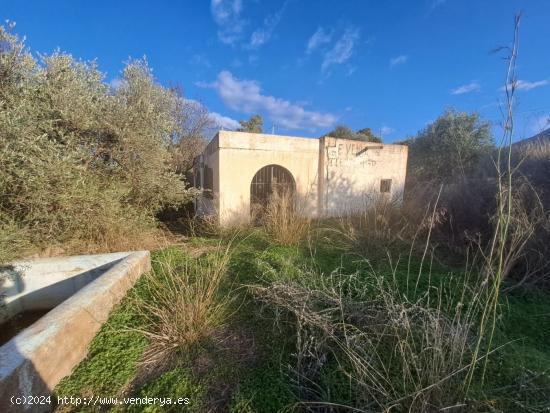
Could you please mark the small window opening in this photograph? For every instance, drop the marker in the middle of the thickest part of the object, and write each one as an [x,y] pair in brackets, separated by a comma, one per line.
[208,182]
[385,186]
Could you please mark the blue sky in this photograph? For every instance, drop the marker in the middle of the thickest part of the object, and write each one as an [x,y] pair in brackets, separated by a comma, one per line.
[307,65]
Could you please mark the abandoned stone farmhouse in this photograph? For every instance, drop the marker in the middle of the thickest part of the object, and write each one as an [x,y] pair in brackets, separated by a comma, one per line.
[327,177]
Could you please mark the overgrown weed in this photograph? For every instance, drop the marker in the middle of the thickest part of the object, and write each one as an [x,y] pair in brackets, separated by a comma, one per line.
[398,351]
[285,219]
[183,303]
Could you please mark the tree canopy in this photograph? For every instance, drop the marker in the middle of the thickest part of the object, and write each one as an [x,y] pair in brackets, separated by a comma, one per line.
[83,159]
[451,145]
[254,125]
[345,132]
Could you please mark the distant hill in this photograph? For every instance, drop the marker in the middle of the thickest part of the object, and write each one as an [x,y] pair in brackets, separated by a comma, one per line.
[543,137]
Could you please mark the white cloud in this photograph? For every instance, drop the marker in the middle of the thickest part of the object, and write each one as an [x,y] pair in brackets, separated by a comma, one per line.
[526,85]
[264,33]
[221,121]
[399,60]
[470,87]
[386,130]
[317,39]
[227,15]
[246,96]
[224,122]
[342,49]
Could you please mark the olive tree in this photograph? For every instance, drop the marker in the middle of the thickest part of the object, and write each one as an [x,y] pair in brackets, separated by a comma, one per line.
[254,125]
[80,159]
[450,146]
[345,132]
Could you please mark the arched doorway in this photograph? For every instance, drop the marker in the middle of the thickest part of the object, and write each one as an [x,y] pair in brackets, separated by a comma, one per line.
[267,181]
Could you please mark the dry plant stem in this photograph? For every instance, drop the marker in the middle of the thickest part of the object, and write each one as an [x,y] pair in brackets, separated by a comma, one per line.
[496,258]
[426,245]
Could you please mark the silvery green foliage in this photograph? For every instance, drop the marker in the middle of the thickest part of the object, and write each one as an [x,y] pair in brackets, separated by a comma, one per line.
[78,155]
[450,146]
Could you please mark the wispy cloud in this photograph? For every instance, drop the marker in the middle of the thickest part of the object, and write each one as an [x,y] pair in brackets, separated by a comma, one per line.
[218,119]
[264,33]
[246,96]
[227,15]
[468,88]
[351,70]
[342,50]
[386,130]
[318,39]
[526,85]
[399,60]
[224,122]
[434,4]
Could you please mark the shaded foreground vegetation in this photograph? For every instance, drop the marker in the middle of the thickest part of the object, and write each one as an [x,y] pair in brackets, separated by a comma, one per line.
[317,326]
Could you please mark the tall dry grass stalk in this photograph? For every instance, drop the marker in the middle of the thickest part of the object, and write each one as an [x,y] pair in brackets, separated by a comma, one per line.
[285,219]
[499,248]
[182,304]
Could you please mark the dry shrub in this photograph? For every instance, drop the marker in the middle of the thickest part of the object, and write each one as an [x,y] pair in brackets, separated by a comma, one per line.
[397,353]
[284,218]
[530,232]
[379,225]
[464,205]
[468,204]
[533,161]
[209,226]
[526,255]
[182,304]
[13,239]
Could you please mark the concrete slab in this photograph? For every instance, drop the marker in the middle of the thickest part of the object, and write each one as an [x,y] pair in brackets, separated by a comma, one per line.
[34,361]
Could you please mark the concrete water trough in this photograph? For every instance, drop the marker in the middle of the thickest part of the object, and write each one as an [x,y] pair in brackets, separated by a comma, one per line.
[50,310]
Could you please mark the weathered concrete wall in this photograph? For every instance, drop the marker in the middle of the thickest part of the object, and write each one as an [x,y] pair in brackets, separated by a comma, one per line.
[34,361]
[241,155]
[351,171]
[332,176]
[41,284]
[209,203]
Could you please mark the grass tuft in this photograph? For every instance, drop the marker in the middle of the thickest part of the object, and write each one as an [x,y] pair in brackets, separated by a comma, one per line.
[285,220]
[182,303]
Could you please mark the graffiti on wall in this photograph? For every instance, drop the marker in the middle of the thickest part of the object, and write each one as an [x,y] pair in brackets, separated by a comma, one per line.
[352,155]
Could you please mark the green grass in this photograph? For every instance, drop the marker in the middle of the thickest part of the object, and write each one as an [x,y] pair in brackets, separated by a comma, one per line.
[518,374]
[112,357]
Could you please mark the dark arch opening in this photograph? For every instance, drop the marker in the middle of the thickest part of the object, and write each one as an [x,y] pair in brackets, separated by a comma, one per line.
[269,180]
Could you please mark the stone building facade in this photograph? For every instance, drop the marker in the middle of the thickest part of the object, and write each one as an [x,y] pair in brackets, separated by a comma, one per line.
[328,176]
